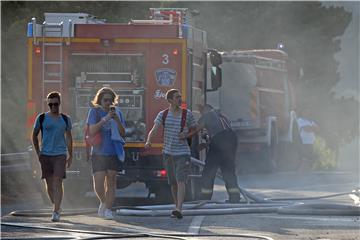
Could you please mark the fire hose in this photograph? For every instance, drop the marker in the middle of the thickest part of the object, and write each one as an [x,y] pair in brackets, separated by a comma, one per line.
[254,204]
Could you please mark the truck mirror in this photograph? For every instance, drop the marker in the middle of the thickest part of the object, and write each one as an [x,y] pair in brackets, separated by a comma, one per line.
[216,77]
[215,58]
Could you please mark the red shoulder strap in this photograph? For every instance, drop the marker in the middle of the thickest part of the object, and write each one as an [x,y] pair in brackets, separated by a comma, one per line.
[165,113]
[183,119]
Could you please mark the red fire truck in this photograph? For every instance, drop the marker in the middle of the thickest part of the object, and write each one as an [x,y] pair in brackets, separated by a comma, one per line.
[76,54]
[260,83]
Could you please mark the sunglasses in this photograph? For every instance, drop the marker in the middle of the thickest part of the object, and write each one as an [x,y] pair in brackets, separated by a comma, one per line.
[53,104]
[108,100]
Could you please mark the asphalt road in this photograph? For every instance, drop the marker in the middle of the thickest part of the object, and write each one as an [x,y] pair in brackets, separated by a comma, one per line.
[231,226]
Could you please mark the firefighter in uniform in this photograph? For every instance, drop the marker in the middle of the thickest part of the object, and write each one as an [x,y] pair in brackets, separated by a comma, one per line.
[221,153]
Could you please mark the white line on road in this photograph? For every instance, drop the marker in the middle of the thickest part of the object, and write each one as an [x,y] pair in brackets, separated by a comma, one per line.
[195,224]
[313,218]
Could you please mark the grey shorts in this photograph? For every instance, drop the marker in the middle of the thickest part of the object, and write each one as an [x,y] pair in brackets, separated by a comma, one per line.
[177,168]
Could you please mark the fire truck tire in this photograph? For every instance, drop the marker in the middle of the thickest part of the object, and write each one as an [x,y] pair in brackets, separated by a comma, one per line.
[122,184]
[162,193]
[193,190]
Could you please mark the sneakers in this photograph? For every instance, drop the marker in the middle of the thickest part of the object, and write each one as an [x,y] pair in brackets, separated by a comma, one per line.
[176,214]
[108,214]
[101,210]
[55,217]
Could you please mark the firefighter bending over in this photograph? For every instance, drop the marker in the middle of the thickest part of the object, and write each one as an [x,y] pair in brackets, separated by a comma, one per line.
[221,153]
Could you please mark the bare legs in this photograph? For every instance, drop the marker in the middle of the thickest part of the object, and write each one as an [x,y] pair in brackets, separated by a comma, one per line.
[54,186]
[105,186]
[178,194]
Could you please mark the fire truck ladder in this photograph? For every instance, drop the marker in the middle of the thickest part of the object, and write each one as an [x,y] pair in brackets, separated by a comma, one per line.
[52,58]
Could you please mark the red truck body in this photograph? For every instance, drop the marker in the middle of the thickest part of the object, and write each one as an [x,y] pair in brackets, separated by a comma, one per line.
[140,60]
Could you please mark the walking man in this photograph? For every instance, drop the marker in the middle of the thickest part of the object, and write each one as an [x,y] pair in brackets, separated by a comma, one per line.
[56,149]
[177,123]
[221,153]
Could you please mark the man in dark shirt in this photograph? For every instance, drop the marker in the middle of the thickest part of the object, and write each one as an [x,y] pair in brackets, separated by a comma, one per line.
[221,153]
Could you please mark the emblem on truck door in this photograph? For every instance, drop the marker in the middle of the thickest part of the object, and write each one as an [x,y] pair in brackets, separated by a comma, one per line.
[165,77]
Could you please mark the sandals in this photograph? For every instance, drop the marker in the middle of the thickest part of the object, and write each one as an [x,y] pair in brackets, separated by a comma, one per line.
[176,214]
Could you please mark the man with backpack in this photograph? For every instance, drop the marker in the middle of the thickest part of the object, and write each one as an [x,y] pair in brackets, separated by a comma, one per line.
[221,153]
[55,154]
[177,123]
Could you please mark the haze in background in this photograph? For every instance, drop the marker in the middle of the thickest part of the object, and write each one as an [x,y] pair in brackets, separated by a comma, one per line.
[349,62]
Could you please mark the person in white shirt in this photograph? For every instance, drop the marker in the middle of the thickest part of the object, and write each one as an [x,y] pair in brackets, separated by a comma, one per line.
[307,129]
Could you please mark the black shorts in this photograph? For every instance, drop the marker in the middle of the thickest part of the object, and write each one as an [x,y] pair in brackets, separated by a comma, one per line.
[53,166]
[103,163]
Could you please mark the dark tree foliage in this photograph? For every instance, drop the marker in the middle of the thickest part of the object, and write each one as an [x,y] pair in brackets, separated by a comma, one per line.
[308,30]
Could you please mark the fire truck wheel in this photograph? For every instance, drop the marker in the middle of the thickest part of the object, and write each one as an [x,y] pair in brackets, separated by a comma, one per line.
[162,193]
[122,184]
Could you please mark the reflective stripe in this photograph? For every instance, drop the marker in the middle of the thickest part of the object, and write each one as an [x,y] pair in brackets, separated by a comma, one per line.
[233,190]
[206,190]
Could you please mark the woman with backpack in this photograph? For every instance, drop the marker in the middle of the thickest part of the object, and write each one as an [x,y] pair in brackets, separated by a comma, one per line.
[104,118]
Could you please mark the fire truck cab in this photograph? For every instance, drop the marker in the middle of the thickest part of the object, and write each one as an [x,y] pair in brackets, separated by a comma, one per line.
[77,54]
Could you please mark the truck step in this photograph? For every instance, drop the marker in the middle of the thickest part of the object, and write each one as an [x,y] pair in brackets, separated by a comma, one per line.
[52,43]
[52,81]
[53,74]
[194,176]
[52,62]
